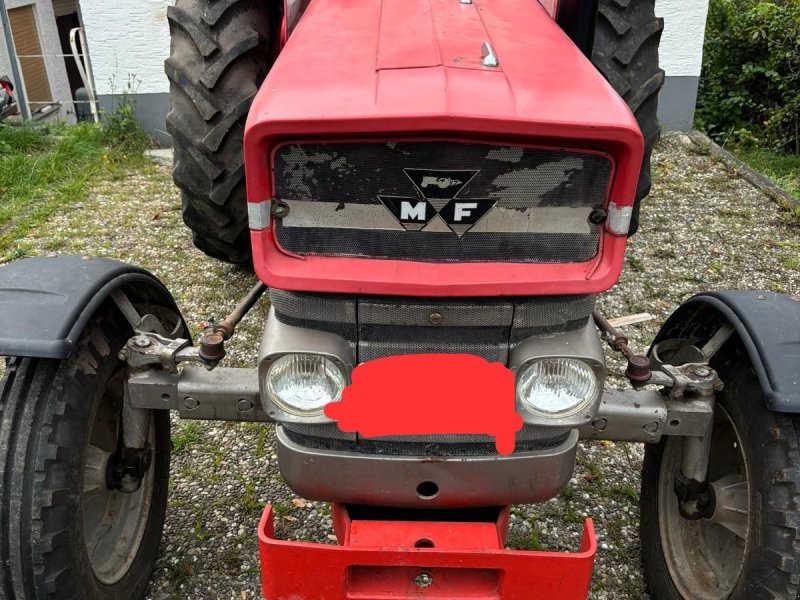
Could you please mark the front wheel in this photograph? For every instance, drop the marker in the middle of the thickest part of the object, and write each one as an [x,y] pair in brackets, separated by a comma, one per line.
[66,532]
[748,549]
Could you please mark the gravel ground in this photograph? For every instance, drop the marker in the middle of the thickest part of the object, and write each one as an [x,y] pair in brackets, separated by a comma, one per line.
[702,228]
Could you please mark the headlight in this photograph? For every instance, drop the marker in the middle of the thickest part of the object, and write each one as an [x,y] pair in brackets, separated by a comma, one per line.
[302,384]
[556,387]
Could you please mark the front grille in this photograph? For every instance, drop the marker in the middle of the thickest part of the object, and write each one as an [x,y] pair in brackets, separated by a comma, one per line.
[378,326]
[440,201]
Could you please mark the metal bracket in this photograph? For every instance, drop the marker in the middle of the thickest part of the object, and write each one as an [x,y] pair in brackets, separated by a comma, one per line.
[147,349]
[224,394]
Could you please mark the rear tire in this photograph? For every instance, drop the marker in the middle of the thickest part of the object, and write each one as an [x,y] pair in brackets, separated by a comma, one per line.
[760,564]
[626,53]
[64,534]
[220,54]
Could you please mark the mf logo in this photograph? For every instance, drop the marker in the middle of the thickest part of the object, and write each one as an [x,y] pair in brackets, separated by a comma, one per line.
[438,196]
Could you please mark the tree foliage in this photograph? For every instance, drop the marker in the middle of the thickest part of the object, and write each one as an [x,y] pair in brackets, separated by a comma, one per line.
[750,85]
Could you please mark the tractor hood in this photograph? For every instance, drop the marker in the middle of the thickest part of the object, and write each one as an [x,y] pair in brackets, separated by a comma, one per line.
[494,70]
[423,59]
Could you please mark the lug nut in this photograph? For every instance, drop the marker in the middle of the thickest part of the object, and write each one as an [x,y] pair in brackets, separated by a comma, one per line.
[190,403]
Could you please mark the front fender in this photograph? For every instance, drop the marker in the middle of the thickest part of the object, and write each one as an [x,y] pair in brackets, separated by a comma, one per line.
[45,303]
[768,326]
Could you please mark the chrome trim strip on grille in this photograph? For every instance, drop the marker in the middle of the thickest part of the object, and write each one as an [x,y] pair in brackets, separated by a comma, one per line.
[336,215]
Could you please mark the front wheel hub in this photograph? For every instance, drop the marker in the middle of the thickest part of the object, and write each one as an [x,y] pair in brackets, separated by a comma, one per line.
[705,554]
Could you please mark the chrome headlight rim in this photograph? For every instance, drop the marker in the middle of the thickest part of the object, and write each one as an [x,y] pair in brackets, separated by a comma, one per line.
[278,404]
[585,406]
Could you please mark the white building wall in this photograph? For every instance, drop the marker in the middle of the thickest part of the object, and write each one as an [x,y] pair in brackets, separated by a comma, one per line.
[127,38]
[682,40]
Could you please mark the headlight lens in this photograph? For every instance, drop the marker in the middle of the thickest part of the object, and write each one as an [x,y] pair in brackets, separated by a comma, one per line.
[557,387]
[302,384]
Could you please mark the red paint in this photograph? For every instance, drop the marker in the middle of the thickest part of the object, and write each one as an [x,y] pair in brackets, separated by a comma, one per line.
[347,72]
[378,560]
[429,394]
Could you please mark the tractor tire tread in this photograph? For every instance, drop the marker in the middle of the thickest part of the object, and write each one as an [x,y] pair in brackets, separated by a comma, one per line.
[41,429]
[626,44]
[211,93]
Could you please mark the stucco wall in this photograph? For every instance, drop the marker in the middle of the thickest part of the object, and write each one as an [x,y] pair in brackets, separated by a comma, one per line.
[127,39]
[131,39]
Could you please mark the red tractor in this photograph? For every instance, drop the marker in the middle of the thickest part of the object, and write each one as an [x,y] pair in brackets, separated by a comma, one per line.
[436,192]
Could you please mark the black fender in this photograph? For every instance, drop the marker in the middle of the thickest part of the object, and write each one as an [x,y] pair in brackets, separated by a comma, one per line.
[768,326]
[45,303]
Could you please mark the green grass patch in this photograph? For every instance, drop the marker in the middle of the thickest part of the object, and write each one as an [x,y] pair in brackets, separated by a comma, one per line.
[783,169]
[44,168]
[187,435]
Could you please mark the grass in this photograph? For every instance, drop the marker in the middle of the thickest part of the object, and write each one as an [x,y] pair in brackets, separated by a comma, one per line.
[44,168]
[185,436]
[782,169]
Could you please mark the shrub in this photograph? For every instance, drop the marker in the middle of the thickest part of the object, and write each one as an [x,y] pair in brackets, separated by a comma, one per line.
[750,85]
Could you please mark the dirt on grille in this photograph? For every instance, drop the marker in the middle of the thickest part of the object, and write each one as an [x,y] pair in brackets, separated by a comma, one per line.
[703,227]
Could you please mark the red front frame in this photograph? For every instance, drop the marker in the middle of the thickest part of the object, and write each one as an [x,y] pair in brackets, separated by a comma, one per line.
[323,87]
[380,560]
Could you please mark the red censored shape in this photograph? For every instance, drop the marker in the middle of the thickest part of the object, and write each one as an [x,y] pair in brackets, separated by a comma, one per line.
[430,394]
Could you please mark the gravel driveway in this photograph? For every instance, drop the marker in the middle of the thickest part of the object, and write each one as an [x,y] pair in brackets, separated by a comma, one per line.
[702,228]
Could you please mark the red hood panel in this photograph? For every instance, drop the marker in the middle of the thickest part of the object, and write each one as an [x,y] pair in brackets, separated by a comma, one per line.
[430,33]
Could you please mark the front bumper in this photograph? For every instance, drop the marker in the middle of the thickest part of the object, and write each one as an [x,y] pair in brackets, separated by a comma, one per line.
[383,557]
[426,481]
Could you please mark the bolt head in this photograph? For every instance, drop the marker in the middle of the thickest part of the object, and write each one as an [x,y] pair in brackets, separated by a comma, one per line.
[600,424]
[244,405]
[702,371]
[190,403]
[651,427]
[142,341]
[436,318]
[423,580]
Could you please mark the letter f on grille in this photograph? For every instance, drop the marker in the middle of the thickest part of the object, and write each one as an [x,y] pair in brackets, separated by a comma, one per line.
[438,198]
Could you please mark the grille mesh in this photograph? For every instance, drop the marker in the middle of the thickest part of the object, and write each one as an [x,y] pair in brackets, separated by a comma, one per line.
[339,196]
[329,437]
[378,327]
